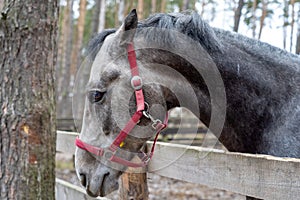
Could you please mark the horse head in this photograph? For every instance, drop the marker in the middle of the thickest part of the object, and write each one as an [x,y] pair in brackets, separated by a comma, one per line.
[121,113]
[141,71]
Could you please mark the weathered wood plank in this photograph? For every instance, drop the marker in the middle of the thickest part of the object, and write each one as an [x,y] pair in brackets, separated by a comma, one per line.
[67,191]
[260,176]
[65,142]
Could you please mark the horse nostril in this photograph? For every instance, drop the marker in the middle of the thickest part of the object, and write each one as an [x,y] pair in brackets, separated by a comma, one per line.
[83,179]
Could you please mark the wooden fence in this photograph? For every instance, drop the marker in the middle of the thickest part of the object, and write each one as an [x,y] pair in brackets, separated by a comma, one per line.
[260,176]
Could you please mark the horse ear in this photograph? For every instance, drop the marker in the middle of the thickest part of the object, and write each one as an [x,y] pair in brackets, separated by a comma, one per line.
[128,28]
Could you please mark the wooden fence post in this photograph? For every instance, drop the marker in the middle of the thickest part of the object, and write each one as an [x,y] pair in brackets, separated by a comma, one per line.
[133,185]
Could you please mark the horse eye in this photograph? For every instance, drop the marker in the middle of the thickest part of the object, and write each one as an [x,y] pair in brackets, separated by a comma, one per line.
[95,96]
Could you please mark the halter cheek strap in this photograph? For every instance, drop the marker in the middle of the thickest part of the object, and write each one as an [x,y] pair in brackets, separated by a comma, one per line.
[158,126]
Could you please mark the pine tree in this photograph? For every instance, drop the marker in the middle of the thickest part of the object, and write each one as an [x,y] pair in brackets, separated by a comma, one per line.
[27,117]
[263,16]
[237,15]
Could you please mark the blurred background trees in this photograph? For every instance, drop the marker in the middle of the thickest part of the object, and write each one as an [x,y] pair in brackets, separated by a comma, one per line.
[82,19]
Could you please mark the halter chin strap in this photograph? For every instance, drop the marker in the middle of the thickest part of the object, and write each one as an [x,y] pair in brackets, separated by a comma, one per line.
[158,126]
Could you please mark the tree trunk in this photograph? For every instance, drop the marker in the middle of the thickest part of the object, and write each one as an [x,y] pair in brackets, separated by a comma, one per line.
[75,58]
[63,66]
[203,4]
[185,4]
[237,15]
[140,10]
[79,38]
[128,7]
[116,13]
[102,16]
[121,11]
[96,13]
[263,16]
[1,4]
[194,4]
[298,42]
[253,19]
[285,21]
[153,6]
[292,24]
[28,32]
[298,34]
[163,6]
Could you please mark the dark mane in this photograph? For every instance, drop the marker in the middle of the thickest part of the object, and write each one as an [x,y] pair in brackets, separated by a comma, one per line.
[188,23]
[96,42]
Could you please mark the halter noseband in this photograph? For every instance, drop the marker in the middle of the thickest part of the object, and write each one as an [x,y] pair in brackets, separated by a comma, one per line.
[158,125]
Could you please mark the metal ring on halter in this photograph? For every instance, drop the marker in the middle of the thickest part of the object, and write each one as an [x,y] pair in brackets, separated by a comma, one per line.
[136,83]
[147,159]
[108,154]
[147,115]
[147,107]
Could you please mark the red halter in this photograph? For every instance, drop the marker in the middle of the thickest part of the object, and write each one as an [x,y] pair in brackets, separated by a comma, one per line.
[109,153]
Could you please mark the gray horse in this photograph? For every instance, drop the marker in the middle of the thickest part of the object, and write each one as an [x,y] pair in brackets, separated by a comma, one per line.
[249,88]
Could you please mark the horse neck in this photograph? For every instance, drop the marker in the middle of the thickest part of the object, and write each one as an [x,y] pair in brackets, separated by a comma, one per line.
[184,80]
[254,96]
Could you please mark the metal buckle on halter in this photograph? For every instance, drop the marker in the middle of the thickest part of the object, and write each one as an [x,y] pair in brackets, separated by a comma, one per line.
[155,122]
[148,158]
[145,157]
[136,83]
[108,153]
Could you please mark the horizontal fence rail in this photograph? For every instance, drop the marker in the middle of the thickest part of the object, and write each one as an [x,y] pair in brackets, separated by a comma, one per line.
[260,176]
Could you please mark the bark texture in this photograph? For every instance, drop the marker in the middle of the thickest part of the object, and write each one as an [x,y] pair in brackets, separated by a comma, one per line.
[27,59]
[237,15]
